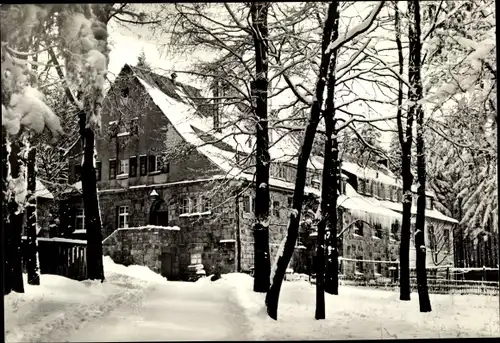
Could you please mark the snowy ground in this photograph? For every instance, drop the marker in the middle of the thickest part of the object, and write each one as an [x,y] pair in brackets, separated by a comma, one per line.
[135,304]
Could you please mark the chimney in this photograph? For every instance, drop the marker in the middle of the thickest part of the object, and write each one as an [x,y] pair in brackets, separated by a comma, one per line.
[174,77]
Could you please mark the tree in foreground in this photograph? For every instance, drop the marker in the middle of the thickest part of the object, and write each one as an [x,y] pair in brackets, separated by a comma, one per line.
[415,97]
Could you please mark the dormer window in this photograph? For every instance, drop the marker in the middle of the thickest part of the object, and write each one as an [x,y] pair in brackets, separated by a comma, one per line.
[124,92]
[429,203]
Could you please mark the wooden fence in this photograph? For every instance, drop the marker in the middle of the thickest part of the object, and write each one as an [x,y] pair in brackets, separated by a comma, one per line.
[60,256]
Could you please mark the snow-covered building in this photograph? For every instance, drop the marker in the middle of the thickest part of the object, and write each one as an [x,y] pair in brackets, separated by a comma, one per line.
[169,157]
[370,212]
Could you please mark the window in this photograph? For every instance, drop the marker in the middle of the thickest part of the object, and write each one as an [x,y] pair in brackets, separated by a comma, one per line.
[123,167]
[196,258]
[399,195]
[98,171]
[432,237]
[123,216]
[133,166]
[378,267]
[358,228]
[143,165]
[446,234]
[290,171]
[153,163]
[381,191]
[247,204]
[112,169]
[429,203]
[207,204]
[290,202]
[80,218]
[281,171]
[185,205]
[194,205]
[378,231]
[78,172]
[394,230]
[361,186]
[134,126]
[368,189]
[276,208]
[359,265]
[125,92]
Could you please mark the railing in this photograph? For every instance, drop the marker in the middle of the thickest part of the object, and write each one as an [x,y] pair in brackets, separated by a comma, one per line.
[60,256]
[435,286]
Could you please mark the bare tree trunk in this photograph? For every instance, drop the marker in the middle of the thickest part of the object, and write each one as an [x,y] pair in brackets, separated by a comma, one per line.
[272,296]
[262,263]
[7,236]
[330,184]
[16,223]
[30,254]
[415,96]
[95,270]
[405,139]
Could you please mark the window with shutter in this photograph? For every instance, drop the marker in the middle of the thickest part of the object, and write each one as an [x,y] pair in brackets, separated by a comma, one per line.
[143,165]
[112,169]
[152,163]
[246,204]
[133,166]
[98,171]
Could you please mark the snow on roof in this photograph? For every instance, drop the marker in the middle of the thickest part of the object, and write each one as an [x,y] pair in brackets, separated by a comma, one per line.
[150,227]
[435,214]
[42,192]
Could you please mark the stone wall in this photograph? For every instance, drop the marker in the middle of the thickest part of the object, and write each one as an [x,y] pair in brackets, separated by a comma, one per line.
[144,246]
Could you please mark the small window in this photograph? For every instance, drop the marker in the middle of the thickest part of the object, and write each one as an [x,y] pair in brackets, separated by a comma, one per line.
[359,265]
[368,188]
[381,191]
[378,267]
[446,239]
[80,219]
[432,237]
[194,205]
[395,230]
[361,186]
[112,169]
[124,167]
[134,126]
[378,231]
[98,171]
[143,165]
[125,92]
[185,205]
[207,204]
[358,228]
[195,258]
[247,204]
[123,215]
[133,166]
[429,203]
[290,202]
[276,208]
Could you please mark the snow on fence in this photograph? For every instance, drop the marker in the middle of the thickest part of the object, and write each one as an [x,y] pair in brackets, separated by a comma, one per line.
[436,286]
[60,256]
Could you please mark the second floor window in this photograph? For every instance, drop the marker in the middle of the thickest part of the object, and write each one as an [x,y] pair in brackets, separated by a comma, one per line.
[80,219]
[154,163]
[185,207]
[377,231]
[248,204]
[133,166]
[429,203]
[143,165]
[98,171]
[123,215]
[361,186]
[358,228]
[124,167]
[276,208]
[112,169]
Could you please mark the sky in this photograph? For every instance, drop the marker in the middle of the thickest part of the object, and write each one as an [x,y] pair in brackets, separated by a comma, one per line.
[127,41]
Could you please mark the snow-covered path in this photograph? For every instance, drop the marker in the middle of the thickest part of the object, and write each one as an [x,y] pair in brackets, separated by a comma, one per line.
[171,311]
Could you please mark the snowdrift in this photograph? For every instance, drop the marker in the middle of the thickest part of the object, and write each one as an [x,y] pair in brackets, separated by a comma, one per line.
[60,305]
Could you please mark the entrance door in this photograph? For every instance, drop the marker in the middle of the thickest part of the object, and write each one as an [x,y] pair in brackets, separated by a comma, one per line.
[166,265]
